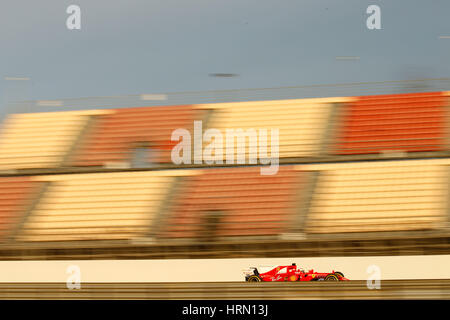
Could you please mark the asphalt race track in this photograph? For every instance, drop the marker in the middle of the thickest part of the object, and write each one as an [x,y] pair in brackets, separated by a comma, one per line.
[389,289]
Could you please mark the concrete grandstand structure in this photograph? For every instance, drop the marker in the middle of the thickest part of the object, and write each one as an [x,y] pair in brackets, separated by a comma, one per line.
[358,175]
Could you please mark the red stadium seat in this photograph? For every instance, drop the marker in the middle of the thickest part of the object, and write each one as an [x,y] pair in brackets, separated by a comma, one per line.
[401,122]
[114,135]
[15,194]
[249,204]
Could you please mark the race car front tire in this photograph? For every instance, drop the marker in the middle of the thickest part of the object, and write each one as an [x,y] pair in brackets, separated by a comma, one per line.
[331,277]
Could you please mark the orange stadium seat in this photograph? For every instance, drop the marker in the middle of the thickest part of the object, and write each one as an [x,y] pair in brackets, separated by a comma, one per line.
[15,194]
[399,122]
[243,202]
[114,135]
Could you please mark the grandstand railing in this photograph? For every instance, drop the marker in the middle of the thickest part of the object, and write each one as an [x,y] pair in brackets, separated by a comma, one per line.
[233,95]
[333,245]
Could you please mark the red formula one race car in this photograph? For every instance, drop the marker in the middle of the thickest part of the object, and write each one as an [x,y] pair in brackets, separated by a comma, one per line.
[291,273]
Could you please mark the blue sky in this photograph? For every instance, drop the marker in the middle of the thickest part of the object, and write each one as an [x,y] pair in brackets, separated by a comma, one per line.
[141,46]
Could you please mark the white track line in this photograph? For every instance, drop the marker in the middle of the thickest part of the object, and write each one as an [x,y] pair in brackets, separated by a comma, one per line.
[217,270]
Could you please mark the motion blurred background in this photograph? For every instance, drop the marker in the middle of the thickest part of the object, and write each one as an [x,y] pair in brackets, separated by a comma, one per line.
[85,144]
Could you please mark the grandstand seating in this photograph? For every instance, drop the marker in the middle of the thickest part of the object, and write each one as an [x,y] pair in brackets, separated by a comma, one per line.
[98,206]
[219,203]
[371,124]
[400,122]
[216,203]
[302,123]
[234,202]
[40,140]
[16,193]
[114,135]
[379,196]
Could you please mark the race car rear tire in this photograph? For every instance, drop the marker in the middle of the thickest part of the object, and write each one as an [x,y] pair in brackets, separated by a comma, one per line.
[254,278]
[339,274]
[331,277]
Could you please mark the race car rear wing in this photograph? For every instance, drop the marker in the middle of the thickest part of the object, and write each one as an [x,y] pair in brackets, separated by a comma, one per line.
[251,271]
